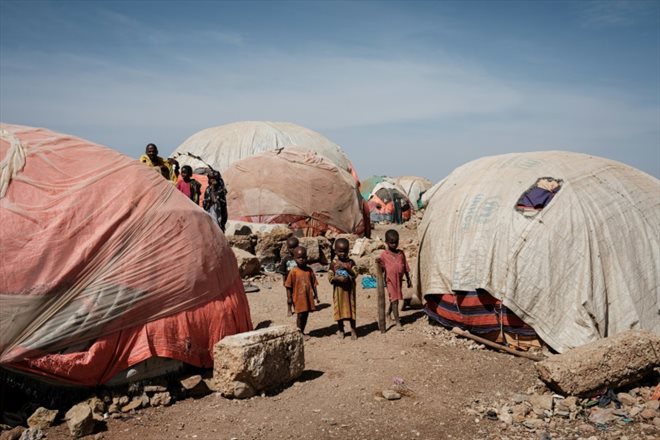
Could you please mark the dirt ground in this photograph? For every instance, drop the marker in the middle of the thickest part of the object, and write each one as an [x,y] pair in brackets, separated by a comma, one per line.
[336,397]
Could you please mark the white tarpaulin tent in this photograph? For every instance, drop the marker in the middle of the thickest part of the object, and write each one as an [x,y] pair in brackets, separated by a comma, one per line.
[585,267]
[223,145]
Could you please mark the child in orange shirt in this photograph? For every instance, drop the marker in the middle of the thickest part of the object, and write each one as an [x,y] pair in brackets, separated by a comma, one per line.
[301,289]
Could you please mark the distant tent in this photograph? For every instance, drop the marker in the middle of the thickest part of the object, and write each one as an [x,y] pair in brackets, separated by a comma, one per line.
[564,244]
[105,264]
[414,187]
[224,145]
[388,203]
[295,187]
[367,185]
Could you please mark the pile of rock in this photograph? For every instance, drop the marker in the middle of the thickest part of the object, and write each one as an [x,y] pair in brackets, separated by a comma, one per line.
[543,410]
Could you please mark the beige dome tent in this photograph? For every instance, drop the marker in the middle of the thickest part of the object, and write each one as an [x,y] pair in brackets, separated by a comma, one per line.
[296,187]
[584,266]
[414,186]
[223,145]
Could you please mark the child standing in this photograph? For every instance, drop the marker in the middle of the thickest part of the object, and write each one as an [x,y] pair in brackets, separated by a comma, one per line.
[215,199]
[301,289]
[394,263]
[287,261]
[189,186]
[342,275]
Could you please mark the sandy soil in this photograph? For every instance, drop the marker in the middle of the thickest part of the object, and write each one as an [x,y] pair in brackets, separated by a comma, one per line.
[337,395]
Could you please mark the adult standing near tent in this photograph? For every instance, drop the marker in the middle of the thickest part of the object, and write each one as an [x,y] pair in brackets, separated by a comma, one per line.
[215,199]
[153,160]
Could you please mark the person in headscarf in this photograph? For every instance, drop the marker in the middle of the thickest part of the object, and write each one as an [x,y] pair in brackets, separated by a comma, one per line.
[153,160]
[215,199]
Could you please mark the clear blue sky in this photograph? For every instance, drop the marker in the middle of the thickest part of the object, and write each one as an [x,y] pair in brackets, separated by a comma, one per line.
[415,87]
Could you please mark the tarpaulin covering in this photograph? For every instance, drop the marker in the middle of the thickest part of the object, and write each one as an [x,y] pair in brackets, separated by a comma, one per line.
[414,187]
[295,187]
[223,145]
[586,266]
[388,202]
[105,263]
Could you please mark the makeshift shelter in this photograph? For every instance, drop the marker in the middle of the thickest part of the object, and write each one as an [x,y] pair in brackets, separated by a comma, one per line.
[224,145]
[581,265]
[414,187]
[388,203]
[296,187]
[105,264]
[367,185]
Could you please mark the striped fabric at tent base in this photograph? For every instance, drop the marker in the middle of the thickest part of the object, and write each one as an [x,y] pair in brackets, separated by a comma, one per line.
[480,313]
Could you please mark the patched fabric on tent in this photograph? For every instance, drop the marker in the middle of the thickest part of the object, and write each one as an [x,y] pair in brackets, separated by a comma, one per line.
[224,145]
[295,187]
[105,264]
[388,203]
[414,187]
[581,265]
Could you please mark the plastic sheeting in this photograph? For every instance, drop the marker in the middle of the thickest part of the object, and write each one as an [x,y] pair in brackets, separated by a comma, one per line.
[105,263]
[585,267]
[414,187]
[226,144]
[295,187]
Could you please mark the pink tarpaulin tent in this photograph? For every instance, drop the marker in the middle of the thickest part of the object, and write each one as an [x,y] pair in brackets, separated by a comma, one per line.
[104,263]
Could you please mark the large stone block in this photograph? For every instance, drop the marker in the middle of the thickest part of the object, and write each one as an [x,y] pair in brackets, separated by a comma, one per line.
[269,244]
[244,242]
[248,264]
[318,249]
[249,363]
[608,363]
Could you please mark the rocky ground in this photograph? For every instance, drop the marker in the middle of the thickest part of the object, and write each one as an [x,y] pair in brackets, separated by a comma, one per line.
[442,386]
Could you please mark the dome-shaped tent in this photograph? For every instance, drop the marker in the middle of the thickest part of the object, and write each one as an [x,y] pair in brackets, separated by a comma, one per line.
[414,187]
[105,264]
[223,145]
[295,187]
[389,203]
[586,266]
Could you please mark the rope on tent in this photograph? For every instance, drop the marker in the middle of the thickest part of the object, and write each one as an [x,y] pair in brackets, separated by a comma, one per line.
[13,162]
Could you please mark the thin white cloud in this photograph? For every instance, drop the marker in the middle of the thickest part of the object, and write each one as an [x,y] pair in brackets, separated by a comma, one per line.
[615,13]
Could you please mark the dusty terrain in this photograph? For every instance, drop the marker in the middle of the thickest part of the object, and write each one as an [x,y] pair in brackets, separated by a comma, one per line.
[444,379]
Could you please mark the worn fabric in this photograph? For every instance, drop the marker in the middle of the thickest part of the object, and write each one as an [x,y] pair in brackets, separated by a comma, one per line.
[91,280]
[295,187]
[395,266]
[343,295]
[585,267]
[224,145]
[302,283]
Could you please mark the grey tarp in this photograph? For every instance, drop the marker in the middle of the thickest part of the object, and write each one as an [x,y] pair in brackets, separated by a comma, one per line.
[585,267]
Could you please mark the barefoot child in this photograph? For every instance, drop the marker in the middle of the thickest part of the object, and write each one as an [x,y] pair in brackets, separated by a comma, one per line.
[301,289]
[342,276]
[395,266]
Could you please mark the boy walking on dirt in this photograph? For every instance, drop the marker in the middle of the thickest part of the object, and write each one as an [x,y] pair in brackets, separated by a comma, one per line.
[395,266]
[342,275]
[301,289]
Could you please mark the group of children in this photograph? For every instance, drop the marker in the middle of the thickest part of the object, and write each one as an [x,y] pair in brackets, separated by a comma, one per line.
[215,195]
[301,283]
